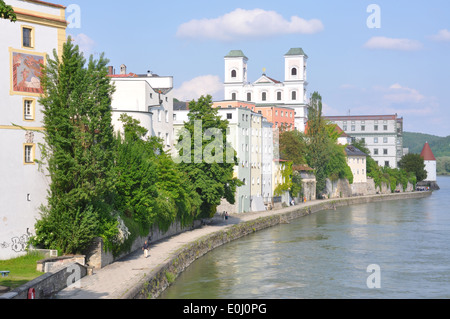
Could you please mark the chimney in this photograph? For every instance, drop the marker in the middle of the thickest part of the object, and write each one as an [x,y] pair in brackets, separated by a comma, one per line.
[110,70]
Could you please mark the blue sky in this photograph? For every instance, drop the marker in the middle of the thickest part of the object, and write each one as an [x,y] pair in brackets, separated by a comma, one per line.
[401,67]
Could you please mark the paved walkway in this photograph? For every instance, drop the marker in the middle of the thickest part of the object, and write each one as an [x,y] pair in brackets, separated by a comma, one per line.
[113,281]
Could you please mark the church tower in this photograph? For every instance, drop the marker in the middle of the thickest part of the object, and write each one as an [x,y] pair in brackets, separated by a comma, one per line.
[235,74]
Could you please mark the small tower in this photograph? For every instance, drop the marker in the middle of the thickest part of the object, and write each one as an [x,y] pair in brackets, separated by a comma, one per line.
[236,67]
[295,65]
[430,163]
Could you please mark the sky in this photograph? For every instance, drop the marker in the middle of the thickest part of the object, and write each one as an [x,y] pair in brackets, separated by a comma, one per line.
[364,57]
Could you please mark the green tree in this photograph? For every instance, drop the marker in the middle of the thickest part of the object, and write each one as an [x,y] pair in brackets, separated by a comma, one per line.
[293,147]
[414,163]
[337,166]
[78,148]
[7,12]
[317,151]
[206,157]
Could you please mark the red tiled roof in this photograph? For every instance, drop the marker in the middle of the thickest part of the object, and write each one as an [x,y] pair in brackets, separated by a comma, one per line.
[427,153]
[129,75]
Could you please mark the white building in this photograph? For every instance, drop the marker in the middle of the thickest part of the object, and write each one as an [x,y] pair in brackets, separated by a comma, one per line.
[40,28]
[382,134]
[267,91]
[147,98]
[430,163]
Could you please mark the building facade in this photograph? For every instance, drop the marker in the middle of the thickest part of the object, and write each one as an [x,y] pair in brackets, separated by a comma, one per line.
[356,160]
[382,134]
[267,91]
[24,45]
[147,98]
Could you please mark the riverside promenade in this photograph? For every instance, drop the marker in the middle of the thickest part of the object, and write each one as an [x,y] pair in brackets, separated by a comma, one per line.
[129,277]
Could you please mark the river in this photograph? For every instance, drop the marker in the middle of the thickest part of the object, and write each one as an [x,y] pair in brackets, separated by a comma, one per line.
[393,249]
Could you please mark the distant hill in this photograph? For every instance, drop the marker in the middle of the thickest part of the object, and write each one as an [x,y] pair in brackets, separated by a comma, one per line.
[415,142]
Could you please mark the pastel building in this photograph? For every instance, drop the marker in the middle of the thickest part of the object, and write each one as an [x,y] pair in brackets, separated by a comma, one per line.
[266,91]
[24,45]
[430,163]
[147,98]
[357,162]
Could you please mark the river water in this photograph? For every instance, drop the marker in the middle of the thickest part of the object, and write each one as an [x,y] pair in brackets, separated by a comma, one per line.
[392,249]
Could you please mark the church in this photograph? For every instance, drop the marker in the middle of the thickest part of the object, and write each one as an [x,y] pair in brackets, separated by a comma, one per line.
[266,91]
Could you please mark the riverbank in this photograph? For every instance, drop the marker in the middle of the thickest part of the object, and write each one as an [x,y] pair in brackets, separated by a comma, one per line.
[136,277]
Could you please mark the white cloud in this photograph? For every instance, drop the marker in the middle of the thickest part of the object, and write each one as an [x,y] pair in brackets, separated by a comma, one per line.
[393,44]
[84,42]
[401,94]
[242,23]
[201,85]
[443,35]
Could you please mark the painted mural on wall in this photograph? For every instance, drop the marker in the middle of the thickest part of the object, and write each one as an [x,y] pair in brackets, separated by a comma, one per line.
[26,72]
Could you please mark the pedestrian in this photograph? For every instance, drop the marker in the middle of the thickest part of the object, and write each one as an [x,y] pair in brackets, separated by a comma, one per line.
[146,248]
[226,215]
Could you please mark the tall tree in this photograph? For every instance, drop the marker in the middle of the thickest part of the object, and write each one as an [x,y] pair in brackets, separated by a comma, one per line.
[7,12]
[293,147]
[318,153]
[207,158]
[79,149]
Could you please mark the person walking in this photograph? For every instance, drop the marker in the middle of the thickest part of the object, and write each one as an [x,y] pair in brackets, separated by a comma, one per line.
[146,248]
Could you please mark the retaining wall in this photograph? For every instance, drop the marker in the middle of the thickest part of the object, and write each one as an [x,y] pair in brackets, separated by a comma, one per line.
[155,283]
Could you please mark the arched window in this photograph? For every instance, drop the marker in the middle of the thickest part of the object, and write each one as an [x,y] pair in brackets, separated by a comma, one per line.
[278,96]
[264,96]
[294,71]
[233,74]
[233,96]
[294,95]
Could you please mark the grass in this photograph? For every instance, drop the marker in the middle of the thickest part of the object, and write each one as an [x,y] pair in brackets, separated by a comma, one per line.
[22,270]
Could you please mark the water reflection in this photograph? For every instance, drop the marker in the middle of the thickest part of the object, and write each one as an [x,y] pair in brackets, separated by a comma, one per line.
[325,255]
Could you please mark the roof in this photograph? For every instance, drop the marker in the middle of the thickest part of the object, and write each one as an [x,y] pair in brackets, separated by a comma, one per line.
[353,151]
[361,117]
[427,153]
[296,51]
[339,130]
[47,3]
[236,54]
[129,75]
[300,168]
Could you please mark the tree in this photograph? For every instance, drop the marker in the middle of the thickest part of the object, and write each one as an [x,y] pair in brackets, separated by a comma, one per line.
[79,143]
[7,12]
[414,163]
[207,159]
[293,147]
[317,151]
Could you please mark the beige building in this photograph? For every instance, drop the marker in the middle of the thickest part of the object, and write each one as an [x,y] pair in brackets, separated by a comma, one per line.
[357,162]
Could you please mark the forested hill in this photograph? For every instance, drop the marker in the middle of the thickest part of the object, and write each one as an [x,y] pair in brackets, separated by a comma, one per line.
[415,142]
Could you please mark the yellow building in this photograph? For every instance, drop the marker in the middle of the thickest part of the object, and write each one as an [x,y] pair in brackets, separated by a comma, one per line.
[40,28]
[357,162]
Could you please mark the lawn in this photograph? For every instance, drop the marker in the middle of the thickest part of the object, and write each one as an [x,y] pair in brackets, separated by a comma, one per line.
[22,270]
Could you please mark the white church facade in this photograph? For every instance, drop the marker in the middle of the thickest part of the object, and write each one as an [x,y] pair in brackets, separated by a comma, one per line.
[267,91]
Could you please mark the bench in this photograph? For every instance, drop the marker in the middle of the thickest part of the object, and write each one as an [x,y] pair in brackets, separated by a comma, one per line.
[4,273]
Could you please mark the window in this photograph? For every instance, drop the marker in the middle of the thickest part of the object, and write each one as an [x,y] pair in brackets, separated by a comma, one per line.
[363,127]
[375,127]
[233,74]
[233,96]
[375,151]
[386,163]
[229,116]
[28,110]
[29,153]
[385,151]
[249,97]
[385,139]
[375,139]
[385,127]
[167,116]
[353,128]
[294,95]
[264,96]
[294,71]
[27,37]
[279,96]
[159,115]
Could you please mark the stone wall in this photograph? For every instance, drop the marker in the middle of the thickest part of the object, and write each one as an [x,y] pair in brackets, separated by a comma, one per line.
[98,257]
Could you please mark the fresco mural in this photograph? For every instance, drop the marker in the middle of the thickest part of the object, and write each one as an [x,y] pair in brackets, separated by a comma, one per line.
[26,72]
